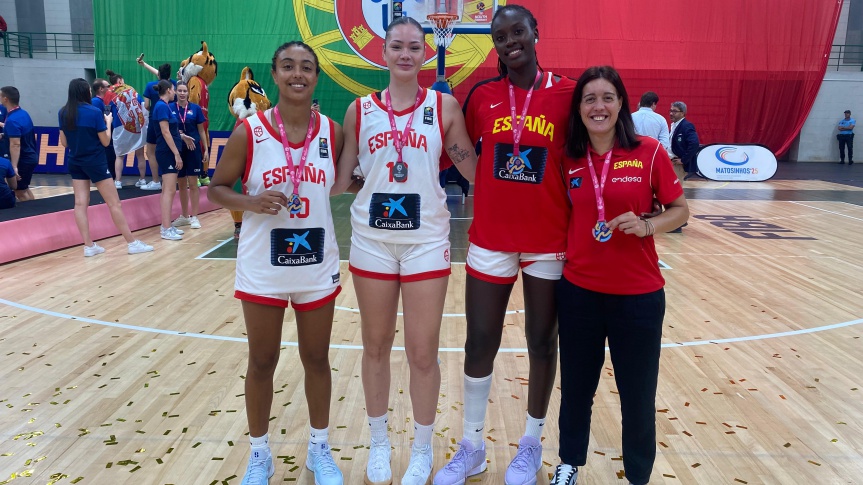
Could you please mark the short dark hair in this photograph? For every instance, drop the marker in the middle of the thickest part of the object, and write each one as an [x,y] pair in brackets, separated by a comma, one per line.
[98,83]
[848,111]
[165,71]
[293,43]
[648,99]
[12,93]
[577,140]
[531,21]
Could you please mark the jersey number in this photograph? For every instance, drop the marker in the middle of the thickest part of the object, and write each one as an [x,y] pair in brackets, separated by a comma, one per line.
[305,211]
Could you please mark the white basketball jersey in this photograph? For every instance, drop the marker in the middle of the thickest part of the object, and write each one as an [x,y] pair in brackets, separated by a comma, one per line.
[288,253]
[409,212]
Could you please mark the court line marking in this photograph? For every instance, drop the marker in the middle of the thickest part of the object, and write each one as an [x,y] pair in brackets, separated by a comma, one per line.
[217,246]
[827,211]
[695,343]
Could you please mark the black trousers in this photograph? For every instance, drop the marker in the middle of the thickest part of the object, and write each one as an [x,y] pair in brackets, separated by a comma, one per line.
[633,326]
[846,140]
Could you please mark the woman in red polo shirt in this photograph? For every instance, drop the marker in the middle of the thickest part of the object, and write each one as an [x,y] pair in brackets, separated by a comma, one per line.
[611,286]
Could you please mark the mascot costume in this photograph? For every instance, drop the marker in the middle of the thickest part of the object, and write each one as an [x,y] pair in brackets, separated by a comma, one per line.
[246,98]
[199,71]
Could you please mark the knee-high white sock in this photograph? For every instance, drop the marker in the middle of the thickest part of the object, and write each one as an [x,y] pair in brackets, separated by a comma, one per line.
[476,391]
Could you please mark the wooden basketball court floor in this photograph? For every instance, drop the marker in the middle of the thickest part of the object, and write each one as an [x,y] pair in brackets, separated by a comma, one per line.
[129,369]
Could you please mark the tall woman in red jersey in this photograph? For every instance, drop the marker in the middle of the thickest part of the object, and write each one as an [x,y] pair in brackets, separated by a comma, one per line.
[400,237]
[611,287]
[519,223]
[288,253]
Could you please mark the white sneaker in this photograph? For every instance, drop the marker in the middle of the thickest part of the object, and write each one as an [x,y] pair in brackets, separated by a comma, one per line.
[181,221]
[170,234]
[259,470]
[319,461]
[141,183]
[420,466]
[378,471]
[466,463]
[178,231]
[152,186]
[118,184]
[93,250]
[137,247]
[195,223]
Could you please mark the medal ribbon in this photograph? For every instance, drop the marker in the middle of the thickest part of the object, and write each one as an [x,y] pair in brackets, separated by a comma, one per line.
[599,185]
[518,124]
[296,173]
[398,141]
[185,113]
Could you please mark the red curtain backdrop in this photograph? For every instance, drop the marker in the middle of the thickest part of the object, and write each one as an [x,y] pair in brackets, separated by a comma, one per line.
[748,70]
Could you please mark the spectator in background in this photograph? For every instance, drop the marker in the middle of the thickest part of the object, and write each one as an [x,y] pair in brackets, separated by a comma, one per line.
[193,153]
[151,97]
[23,150]
[846,138]
[684,139]
[99,88]
[85,131]
[2,27]
[650,123]
[8,183]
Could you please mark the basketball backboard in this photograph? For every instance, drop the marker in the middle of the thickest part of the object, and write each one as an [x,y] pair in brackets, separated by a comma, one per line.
[475,16]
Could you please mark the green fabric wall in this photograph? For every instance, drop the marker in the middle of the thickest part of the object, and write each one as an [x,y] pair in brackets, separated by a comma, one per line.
[238,33]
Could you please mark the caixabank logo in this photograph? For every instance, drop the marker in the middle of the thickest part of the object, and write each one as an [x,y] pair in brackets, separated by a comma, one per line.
[395,212]
[297,247]
[352,50]
[527,167]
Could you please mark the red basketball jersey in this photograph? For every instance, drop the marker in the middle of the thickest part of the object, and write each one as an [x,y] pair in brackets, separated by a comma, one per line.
[520,205]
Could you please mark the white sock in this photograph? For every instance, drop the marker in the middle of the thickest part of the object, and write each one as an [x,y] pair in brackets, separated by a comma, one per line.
[476,391]
[378,426]
[423,434]
[534,427]
[260,446]
[318,436]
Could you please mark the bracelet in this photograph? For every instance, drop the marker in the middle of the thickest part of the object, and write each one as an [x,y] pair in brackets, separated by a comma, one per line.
[649,229]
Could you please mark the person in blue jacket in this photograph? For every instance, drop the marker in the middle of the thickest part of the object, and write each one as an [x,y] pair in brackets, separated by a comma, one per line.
[85,132]
[194,155]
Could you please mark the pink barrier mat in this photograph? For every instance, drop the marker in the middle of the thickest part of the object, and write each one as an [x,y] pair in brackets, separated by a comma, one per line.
[23,238]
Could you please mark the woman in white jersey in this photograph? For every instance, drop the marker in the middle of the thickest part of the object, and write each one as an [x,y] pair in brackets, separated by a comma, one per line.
[400,236]
[285,157]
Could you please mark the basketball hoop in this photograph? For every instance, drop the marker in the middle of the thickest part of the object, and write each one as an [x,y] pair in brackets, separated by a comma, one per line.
[442,25]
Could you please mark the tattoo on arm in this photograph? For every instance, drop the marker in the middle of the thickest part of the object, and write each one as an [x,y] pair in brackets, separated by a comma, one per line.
[457,154]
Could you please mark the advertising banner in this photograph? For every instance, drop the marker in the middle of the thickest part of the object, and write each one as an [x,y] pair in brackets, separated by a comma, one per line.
[738,163]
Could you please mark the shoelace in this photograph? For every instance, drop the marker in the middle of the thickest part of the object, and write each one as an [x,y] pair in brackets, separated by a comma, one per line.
[378,460]
[564,475]
[416,466]
[458,461]
[325,463]
[521,462]
[257,470]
